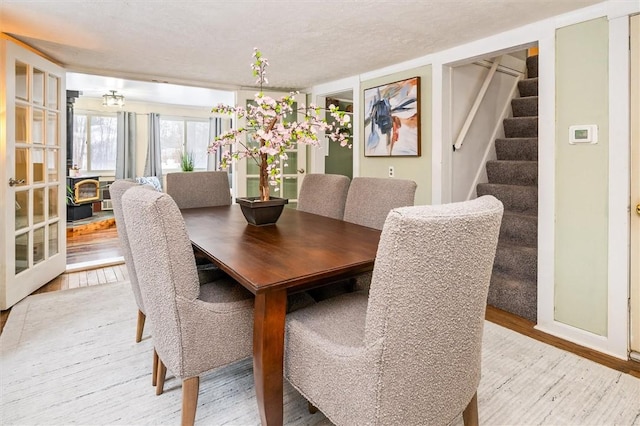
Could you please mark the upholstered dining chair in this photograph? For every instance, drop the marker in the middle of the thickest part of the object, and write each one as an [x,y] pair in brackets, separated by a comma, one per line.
[117,189]
[323,194]
[195,328]
[199,189]
[370,199]
[409,353]
[368,203]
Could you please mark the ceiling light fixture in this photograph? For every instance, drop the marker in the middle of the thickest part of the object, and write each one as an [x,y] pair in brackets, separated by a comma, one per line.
[111,99]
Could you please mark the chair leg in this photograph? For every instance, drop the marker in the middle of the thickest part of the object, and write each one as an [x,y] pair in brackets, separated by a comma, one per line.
[470,414]
[154,373]
[190,388]
[140,328]
[312,408]
[162,374]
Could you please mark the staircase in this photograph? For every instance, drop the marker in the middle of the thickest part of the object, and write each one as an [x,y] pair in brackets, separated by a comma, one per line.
[513,179]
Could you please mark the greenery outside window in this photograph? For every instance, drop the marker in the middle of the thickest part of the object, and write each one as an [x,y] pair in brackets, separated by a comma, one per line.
[181,136]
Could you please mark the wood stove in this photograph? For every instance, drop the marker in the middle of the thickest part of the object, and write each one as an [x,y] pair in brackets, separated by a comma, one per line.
[82,192]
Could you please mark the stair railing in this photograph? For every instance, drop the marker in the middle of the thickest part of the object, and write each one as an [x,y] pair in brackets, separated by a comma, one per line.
[504,114]
[476,105]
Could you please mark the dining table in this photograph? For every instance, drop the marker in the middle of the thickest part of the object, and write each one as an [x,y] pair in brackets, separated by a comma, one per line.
[300,252]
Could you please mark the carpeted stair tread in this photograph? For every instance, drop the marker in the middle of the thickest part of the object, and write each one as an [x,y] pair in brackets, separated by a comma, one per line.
[519,229]
[528,87]
[519,297]
[532,66]
[516,198]
[521,127]
[518,149]
[525,107]
[518,262]
[513,172]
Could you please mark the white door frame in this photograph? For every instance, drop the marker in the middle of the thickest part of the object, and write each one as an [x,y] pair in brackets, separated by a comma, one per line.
[634,282]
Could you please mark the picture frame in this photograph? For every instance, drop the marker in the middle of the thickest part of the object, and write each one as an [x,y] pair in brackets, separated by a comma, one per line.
[392,119]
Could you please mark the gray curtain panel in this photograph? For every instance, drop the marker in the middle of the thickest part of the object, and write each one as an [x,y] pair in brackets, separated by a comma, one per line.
[126,146]
[153,165]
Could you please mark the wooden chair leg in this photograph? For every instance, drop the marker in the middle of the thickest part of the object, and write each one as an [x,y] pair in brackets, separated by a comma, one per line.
[470,414]
[162,374]
[141,318]
[312,408]
[154,373]
[190,388]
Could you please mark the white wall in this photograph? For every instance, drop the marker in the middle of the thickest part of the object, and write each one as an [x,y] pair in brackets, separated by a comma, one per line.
[468,163]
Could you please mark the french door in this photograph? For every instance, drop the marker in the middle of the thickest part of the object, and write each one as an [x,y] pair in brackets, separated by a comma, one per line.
[32,188]
[246,177]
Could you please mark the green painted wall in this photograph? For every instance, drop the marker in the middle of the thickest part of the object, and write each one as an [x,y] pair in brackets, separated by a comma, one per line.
[417,169]
[581,180]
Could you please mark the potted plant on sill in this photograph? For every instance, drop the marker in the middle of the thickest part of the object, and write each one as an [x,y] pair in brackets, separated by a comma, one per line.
[277,125]
[186,161]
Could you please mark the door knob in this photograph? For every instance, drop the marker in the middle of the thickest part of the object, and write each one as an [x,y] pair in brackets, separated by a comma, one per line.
[638,208]
[301,171]
[13,182]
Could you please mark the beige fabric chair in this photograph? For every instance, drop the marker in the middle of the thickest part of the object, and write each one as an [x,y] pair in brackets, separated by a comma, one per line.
[117,189]
[199,189]
[323,195]
[370,200]
[195,328]
[410,352]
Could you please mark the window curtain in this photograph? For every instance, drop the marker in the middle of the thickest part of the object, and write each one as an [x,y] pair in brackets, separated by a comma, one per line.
[126,146]
[153,165]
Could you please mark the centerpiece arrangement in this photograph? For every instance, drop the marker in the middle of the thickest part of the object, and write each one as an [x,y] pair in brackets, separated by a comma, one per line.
[276,125]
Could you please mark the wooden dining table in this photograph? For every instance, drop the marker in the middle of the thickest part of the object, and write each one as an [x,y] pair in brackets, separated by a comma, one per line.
[300,252]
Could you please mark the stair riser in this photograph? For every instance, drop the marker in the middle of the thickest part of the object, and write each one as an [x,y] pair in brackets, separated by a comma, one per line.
[517,297]
[517,149]
[525,107]
[532,66]
[528,87]
[513,172]
[521,127]
[517,199]
[519,230]
[517,262]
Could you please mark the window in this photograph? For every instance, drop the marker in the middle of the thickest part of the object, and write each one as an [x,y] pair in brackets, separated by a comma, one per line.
[180,135]
[95,142]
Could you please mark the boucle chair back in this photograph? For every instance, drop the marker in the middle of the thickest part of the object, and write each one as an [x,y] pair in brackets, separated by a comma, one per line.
[370,200]
[426,308]
[117,190]
[165,267]
[199,189]
[324,195]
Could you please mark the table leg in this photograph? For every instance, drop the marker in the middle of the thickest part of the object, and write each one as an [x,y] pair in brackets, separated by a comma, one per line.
[268,350]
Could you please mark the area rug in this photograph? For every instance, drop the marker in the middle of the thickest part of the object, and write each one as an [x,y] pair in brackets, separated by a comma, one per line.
[70,357]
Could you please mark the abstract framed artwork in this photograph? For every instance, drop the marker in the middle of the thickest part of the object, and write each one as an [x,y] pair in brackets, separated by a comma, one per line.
[392,119]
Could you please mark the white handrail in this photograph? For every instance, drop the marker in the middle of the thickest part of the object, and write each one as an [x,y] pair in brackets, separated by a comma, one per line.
[476,104]
[492,138]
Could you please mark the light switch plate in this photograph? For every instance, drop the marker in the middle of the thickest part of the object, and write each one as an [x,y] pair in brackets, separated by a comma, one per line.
[583,133]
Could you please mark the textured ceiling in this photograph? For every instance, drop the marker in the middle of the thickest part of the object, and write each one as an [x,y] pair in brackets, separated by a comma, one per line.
[209,43]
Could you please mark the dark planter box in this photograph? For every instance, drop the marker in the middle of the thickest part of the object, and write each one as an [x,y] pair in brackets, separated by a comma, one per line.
[80,211]
[261,213]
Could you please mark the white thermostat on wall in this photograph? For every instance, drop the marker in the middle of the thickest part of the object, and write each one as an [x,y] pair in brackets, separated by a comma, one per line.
[583,133]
